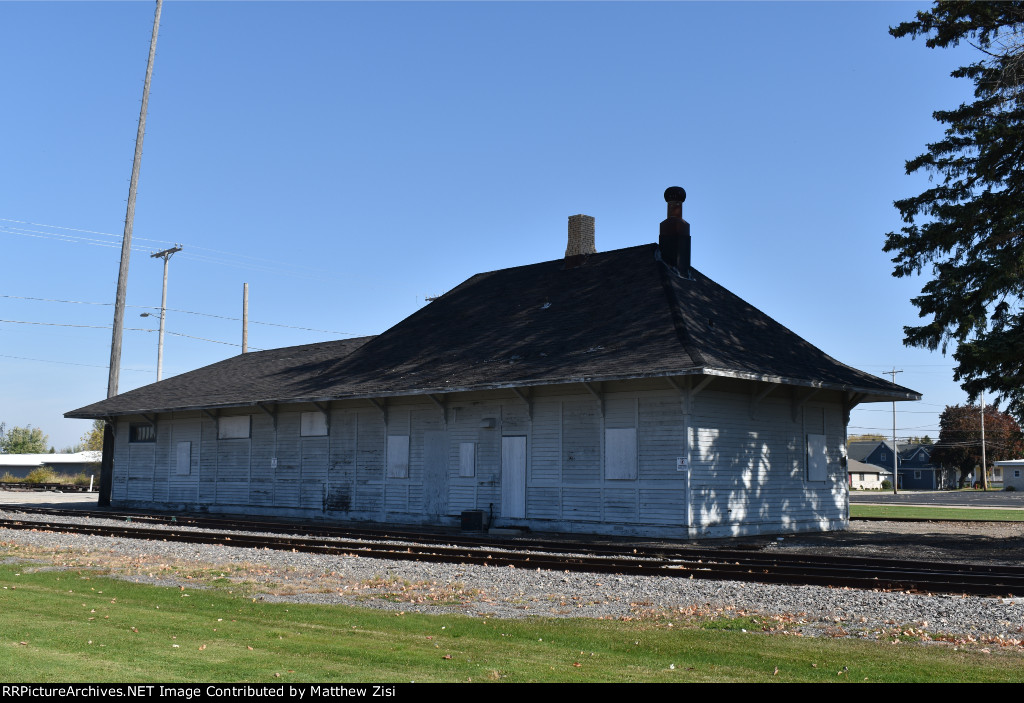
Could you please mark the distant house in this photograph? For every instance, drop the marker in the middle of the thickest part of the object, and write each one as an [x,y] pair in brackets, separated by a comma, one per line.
[1012,473]
[617,392]
[20,465]
[866,476]
[914,466]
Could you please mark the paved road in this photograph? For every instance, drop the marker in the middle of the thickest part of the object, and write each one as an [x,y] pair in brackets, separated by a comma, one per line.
[49,499]
[946,499]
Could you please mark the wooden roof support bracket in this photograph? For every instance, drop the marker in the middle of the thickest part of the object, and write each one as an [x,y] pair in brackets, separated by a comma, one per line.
[216,421]
[325,408]
[151,419]
[112,421]
[596,392]
[695,390]
[526,399]
[440,404]
[850,401]
[684,392]
[272,414]
[382,406]
[757,396]
[705,382]
[800,399]
[688,391]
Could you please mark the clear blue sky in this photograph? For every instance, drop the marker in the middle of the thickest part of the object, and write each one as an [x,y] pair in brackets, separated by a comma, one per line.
[348,159]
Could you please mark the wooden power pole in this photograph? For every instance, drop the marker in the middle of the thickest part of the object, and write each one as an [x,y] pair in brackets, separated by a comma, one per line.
[895,447]
[166,255]
[245,318]
[107,466]
[126,243]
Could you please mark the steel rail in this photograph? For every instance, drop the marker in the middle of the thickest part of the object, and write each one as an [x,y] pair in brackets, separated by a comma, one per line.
[710,565]
[752,558]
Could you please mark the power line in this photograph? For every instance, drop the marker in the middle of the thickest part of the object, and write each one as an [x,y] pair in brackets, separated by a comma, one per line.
[902,412]
[76,229]
[65,324]
[269,265]
[70,363]
[188,312]
[129,329]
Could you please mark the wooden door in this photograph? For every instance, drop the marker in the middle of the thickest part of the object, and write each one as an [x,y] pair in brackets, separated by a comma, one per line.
[435,472]
[513,477]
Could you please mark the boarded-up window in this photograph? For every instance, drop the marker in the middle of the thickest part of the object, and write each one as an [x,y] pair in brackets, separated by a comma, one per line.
[398,456]
[313,424]
[620,453]
[233,427]
[183,466]
[817,461]
[467,459]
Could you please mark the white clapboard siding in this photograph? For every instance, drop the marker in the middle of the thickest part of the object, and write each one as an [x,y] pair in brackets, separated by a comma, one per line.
[581,441]
[546,445]
[746,469]
[141,456]
[370,463]
[341,473]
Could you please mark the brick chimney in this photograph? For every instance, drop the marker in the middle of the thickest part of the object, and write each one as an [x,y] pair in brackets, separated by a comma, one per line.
[581,236]
[674,238]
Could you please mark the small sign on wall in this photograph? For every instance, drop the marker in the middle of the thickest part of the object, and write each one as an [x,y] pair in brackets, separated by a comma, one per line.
[680,463]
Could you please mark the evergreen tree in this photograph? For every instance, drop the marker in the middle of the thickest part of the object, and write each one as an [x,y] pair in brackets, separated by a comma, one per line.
[968,228]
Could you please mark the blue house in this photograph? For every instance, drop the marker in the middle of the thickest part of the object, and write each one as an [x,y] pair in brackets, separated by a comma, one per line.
[914,463]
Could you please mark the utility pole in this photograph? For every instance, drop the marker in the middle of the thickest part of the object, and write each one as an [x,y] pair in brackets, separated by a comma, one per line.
[245,318]
[984,473]
[126,243]
[166,255]
[895,447]
[107,465]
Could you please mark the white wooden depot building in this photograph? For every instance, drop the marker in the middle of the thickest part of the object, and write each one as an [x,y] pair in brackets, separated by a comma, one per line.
[616,392]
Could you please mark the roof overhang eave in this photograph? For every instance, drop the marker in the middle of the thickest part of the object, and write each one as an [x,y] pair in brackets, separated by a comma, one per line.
[866,395]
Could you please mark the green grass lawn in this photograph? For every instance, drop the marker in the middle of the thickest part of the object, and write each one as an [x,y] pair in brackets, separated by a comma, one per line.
[77,626]
[930,513]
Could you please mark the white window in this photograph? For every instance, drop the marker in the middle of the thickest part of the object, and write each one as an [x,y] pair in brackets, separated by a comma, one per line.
[817,460]
[313,424]
[917,474]
[467,459]
[183,465]
[236,427]
[620,453]
[398,456]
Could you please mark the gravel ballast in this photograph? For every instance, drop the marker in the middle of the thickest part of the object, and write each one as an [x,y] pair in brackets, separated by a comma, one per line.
[505,592]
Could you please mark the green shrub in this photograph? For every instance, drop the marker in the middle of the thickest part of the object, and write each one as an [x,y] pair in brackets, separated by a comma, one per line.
[44,474]
[886,485]
[9,478]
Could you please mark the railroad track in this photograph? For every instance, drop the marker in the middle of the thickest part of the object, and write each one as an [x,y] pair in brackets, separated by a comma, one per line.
[651,560]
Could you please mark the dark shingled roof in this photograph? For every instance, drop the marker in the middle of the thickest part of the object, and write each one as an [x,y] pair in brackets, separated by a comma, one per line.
[619,314]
